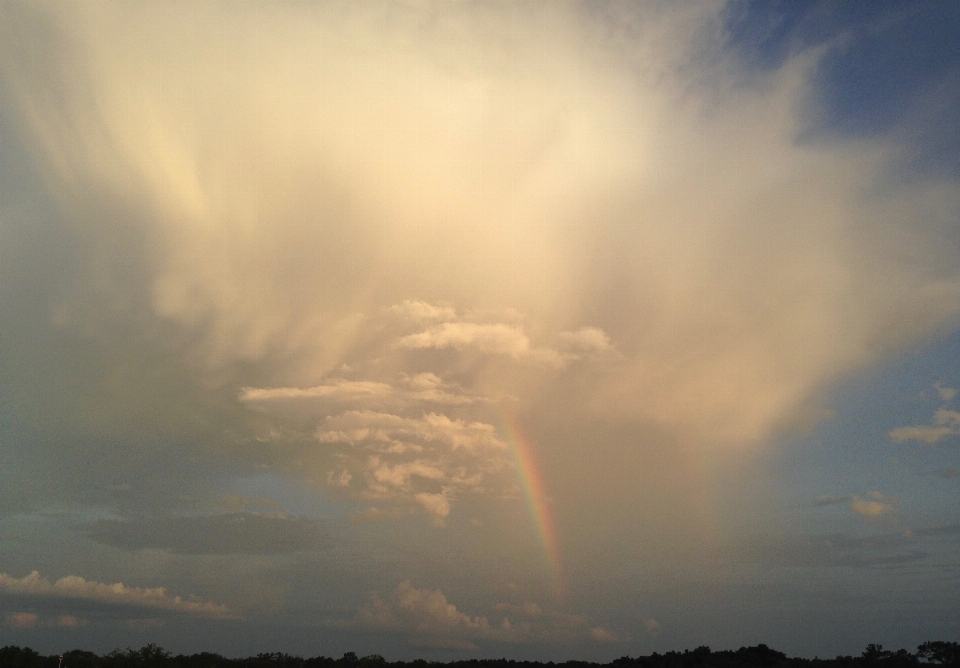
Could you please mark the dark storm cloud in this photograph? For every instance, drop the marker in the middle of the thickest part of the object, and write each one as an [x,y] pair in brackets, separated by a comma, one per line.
[231,533]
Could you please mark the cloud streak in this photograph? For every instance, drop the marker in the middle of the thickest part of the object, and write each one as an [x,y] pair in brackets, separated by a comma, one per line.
[76,587]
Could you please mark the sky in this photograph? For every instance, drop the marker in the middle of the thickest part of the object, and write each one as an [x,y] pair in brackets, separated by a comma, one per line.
[477,329]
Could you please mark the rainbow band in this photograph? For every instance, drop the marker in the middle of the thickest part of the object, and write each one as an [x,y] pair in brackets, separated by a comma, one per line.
[531,484]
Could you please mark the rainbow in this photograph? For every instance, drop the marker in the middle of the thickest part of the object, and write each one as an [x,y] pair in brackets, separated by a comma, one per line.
[534,492]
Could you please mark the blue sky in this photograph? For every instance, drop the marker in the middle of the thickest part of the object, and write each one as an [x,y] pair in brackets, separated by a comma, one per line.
[461,330]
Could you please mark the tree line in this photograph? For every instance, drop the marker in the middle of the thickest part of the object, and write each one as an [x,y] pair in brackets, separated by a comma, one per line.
[930,654]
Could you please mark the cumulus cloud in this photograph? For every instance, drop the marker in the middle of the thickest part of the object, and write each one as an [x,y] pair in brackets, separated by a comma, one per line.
[875,505]
[945,393]
[427,461]
[494,338]
[75,587]
[946,423]
[343,390]
[430,620]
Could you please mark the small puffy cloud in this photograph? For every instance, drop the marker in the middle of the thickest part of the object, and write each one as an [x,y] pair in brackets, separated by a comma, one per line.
[946,423]
[424,462]
[436,504]
[586,339]
[76,587]
[875,505]
[22,620]
[946,393]
[601,634]
[948,473]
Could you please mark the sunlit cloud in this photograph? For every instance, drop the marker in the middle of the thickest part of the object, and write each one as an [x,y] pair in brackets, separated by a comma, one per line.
[946,423]
[76,587]
[430,620]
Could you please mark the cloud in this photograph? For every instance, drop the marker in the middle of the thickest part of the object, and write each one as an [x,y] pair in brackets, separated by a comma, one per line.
[873,506]
[430,620]
[586,339]
[492,338]
[946,423]
[946,393]
[342,390]
[75,587]
[265,219]
[418,310]
[831,500]
[426,461]
[22,620]
[70,621]
[650,625]
[230,533]
[420,388]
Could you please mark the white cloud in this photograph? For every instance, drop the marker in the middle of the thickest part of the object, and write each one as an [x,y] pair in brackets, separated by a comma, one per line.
[75,587]
[342,390]
[427,461]
[491,338]
[946,423]
[275,217]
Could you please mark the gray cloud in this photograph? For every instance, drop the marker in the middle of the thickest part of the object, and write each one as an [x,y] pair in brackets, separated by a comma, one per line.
[230,533]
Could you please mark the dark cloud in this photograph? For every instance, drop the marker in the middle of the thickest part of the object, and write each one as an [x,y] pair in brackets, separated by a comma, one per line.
[231,533]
